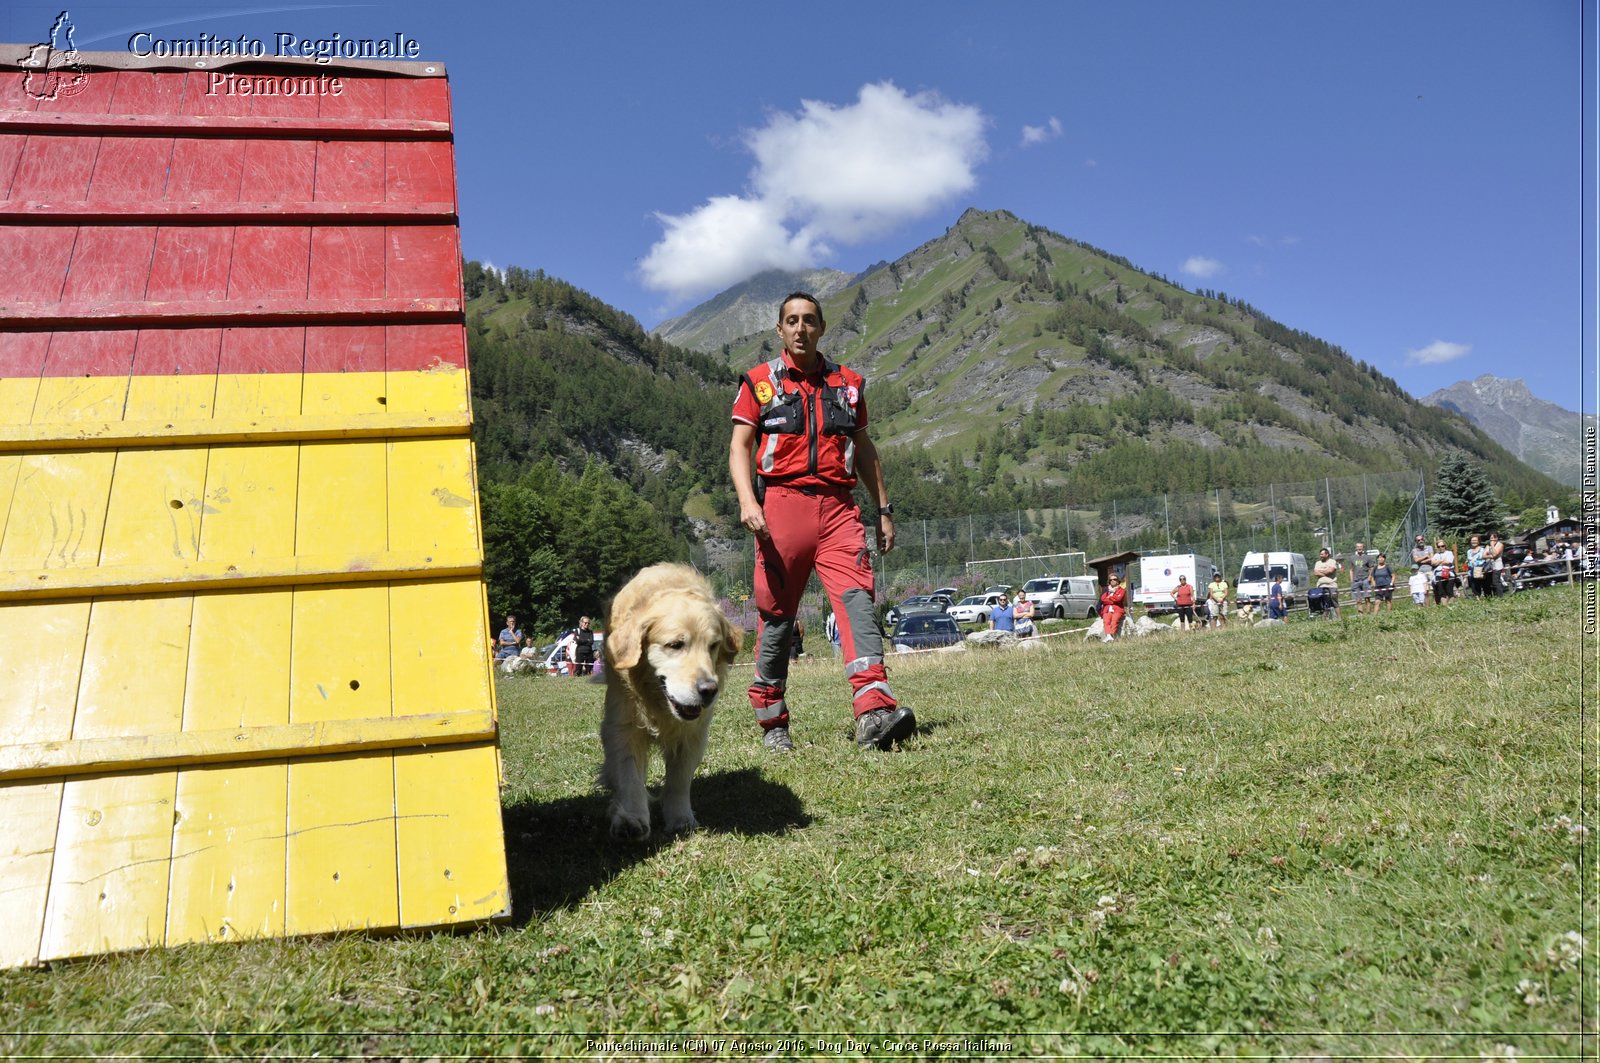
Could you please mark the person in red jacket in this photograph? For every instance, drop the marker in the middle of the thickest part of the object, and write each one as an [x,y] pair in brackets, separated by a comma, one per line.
[799,447]
[1113,605]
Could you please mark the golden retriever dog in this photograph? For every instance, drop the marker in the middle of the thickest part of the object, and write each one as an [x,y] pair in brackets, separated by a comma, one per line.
[667,651]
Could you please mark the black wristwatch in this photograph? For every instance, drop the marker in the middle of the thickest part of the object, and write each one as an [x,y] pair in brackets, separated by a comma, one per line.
[886,510]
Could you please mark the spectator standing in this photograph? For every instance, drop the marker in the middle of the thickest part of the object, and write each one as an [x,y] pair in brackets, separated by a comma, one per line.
[830,628]
[1217,600]
[1277,609]
[1361,580]
[1444,573]
[510,639]
[1495,555]
[797,648]
[1382,586]
[1477,567]
[1022,614]
[1183,600]
[1326,570]
[1422,559]
[1113,606]
[583,648]
[1002,617]
[1417,584]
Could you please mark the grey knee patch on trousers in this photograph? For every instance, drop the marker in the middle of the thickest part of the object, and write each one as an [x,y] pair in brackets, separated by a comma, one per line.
[863,622]
[772,655]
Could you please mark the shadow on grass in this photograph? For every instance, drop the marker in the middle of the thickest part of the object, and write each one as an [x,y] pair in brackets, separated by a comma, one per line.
[558,852]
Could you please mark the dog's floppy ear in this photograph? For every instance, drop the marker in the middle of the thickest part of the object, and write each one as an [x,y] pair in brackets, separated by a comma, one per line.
[625,640]
[732,638]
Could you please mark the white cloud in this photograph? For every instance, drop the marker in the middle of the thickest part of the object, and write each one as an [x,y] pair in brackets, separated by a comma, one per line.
[1038,134]
[1201,267]
[1437,353]
[826,174]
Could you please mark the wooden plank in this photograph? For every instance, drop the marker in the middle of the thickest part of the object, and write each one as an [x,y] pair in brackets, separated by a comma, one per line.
[228,849]
[53,168]
[349,171]
[36,263]
[28,813]
[223,126]
[144,752]
[278,172]
[346,263]
[130,170]
[190,264]
[260,311]
[182,575]
[341,865]
[209,172]
[111,434]
[108,882]
[201,211]
[270,262]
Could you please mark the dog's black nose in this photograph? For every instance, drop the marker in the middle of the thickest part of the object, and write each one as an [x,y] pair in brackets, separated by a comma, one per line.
[707,689]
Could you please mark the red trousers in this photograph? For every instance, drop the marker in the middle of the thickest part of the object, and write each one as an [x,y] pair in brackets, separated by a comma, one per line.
[821,532]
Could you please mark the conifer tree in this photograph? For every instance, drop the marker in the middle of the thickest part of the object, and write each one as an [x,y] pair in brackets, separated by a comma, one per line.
[1463,501]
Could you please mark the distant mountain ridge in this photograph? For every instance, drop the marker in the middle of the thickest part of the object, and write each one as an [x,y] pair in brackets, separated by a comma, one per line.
[1541,433]
[747,307]
[1013,362]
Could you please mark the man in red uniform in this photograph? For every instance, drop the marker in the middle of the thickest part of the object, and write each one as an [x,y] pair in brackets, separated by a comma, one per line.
[799,445]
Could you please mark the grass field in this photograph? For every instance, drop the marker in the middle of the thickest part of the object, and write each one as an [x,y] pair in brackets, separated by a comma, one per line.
[1331,839]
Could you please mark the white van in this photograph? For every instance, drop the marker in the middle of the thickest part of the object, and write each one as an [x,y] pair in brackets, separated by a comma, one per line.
[1063,596]
[1158,575]
[1260,568]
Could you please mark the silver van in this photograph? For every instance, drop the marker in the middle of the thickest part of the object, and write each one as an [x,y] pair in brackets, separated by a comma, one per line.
[1063,596]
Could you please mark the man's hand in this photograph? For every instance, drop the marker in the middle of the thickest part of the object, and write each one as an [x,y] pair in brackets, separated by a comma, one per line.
[754,519]
[885,533]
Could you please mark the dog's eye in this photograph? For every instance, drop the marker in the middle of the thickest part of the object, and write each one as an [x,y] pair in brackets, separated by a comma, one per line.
[677,644]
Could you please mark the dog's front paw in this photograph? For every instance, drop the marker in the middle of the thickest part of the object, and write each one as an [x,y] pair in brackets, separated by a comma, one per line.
[630,827]
[682,822]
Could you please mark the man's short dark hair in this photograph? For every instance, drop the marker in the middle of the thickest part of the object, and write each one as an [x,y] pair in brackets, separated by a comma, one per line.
[808,297]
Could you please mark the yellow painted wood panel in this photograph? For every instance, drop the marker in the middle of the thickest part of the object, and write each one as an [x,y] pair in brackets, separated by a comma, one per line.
[28,814]
[344,394]
[108,886]
[451,840]
[258,394]
[155,506]
[58,510]
[40,657]
[74,398]
[17,398]
[178,397]
[432,496]
[341,850]
[228,853]
[439,390]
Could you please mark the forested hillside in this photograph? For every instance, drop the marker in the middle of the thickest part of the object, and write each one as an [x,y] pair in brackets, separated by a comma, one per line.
[600,448]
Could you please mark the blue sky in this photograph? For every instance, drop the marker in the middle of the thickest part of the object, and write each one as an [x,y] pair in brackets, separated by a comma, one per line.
[1404,180]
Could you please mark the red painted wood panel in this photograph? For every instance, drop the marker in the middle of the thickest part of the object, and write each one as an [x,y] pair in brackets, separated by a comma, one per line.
[91,353]
[199,98]
[173,352]
[93,98]
[36,260]
[278,171]
[283,105]
[346,262]
[263,350]
[10,155]
[206,171]
[130,170]
[362,97]
[350,171]
[55,168]
[270,261]
[427,99]
[419,172]
[145,92]
[109,264]
[190,262]
[411,348]
[422,261]
[23,353]
[347,349]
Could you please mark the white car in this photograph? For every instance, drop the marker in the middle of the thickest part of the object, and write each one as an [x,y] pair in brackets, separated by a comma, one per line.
[974,608]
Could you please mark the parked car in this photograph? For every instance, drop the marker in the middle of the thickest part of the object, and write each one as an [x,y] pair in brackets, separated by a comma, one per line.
[556,662]
[949,592]
[1063,596]
[924,631]
[974,608]
[918,603]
